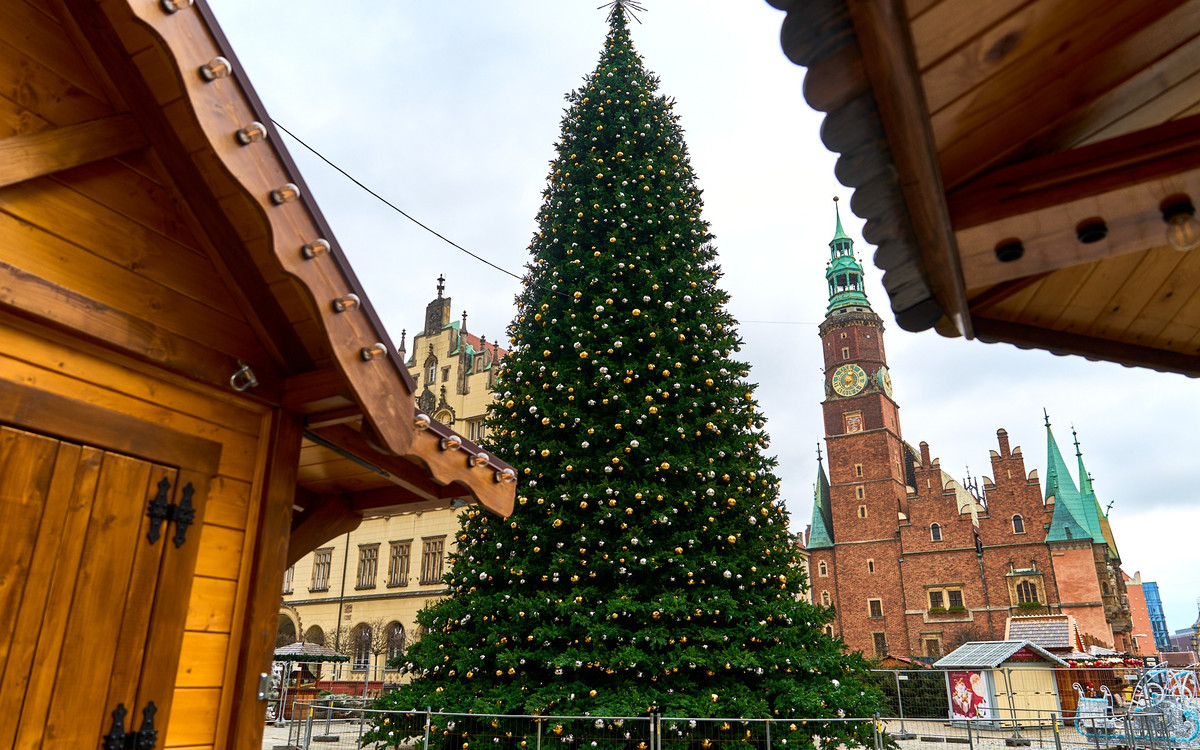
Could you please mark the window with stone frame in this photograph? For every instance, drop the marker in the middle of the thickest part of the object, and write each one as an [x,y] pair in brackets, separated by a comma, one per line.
[822,569]
[360,637]
[431,560]
[395,641]
[368,565]
[875,608]
[945,598]
[400,552]
[932,645]
[1018,524]
[288,576]
[935,532]
[825,598]
[322,561]
[879,641]
[1027,593]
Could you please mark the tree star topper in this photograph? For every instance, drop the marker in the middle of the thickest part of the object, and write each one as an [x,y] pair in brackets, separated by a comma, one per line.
[631,7]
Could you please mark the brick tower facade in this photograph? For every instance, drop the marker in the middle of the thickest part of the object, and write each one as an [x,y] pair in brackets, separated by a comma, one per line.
[913,561]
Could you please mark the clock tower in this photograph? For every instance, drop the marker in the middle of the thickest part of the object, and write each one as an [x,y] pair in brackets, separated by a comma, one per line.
[866,495]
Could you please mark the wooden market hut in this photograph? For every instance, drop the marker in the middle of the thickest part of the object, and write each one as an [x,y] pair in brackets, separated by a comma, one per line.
[194,390]
[1016,162]
[1014,679]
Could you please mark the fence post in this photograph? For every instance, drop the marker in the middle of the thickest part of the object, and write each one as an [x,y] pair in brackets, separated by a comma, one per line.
[877,730]
[537,721]
[970,739]
[1057,736]
[768,734]
[308,721]
[904,733]
[428,712]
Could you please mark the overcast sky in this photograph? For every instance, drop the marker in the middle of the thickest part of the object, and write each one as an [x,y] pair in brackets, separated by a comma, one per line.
[451,111]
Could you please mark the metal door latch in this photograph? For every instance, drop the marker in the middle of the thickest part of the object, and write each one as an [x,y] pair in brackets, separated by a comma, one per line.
[144,738]
[161,511]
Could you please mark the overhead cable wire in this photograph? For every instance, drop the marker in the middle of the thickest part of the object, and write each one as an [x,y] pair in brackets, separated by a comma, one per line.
[451,242]
[396,208]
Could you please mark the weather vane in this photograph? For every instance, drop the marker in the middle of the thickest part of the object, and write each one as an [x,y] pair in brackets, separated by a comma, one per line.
[631,7]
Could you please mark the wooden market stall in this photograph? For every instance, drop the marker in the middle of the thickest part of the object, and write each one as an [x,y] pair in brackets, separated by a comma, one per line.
[194,390]
[1023,167]
[1007,683]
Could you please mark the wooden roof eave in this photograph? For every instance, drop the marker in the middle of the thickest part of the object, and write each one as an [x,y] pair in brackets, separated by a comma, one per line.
[862,74]
[374,376]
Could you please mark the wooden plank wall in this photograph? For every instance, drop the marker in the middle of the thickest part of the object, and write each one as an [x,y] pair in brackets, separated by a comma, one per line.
[211,642]
[112,232]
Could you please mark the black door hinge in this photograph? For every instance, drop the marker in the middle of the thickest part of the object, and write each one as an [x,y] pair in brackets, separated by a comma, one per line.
[144,738]
[161,511]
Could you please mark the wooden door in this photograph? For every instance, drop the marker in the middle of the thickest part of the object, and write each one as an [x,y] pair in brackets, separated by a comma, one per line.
[91,610]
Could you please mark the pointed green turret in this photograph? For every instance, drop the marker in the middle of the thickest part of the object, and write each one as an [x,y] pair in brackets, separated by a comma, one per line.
[820,536]
[1069,521]
[844,273]
[1097,520]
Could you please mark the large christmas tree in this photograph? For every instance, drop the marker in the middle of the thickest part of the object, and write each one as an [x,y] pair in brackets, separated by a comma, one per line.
[648,562]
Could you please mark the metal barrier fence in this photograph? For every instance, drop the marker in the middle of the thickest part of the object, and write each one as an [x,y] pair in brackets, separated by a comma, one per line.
[325,725]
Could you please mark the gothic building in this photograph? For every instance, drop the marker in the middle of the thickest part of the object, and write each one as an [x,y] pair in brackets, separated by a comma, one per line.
[911,559]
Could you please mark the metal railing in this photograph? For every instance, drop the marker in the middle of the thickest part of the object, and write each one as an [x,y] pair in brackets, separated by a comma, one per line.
[340,728]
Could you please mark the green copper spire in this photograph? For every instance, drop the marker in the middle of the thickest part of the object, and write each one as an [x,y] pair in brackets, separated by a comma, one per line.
[820,536]
[844,274]
[1069,521]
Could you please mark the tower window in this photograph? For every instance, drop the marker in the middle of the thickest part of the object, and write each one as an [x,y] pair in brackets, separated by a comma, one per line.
[935,532]
[829,630]
[862,511]
[870,566]
[1018,524]
[843,334]
[858,470]
[822,569]
[845,352]
[825,598]
[880,642]
[875,607]
[860,492]
[1027,592]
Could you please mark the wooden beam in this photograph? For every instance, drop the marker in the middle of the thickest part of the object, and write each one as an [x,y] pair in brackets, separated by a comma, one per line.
[1002,291]
[24,157]
[302,391]
[378,502]
[1161,152]
[345,415]
[331,516]
[1059,342]
[885,43]
[268,543]
[398,470]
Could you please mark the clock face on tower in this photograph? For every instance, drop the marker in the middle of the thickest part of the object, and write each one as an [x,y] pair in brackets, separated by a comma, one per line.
[849,380]
[885,380]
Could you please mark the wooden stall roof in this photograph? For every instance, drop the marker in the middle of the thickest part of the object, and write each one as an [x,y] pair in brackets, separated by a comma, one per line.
[171,96]
[965,127]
